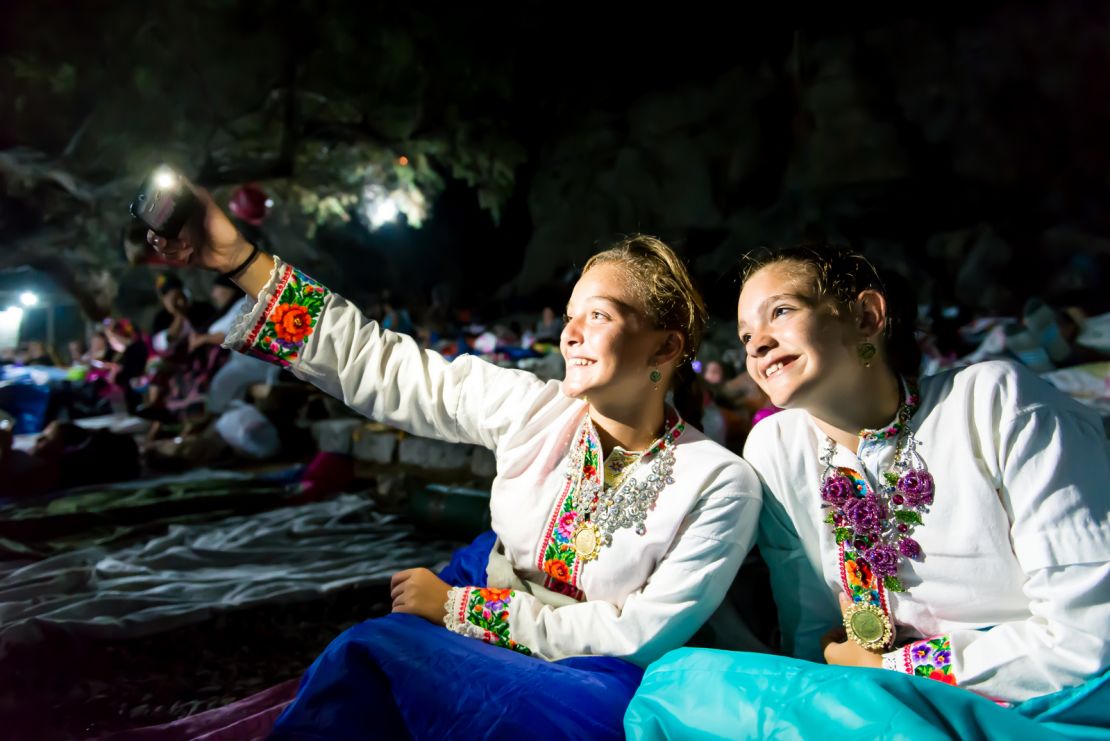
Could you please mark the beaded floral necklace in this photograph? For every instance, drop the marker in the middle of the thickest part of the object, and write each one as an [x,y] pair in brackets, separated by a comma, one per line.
[874,529]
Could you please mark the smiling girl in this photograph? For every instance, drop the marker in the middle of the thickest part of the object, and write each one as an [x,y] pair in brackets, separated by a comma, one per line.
[617,528]
[935,543]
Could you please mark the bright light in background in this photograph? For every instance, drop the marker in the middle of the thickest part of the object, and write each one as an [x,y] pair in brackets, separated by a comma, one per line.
[164,178]
[10,320]
[11,316]
[379,206]
[385,212]
[28,299]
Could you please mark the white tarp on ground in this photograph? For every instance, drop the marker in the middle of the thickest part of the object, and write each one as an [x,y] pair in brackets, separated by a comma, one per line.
[286,555]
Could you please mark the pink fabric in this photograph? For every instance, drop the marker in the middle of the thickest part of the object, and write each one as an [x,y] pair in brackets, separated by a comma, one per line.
[763,413]
[250,718]
[329,473]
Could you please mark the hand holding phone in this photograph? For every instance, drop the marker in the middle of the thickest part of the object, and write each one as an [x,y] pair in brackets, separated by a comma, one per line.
[165,202]
[186,226]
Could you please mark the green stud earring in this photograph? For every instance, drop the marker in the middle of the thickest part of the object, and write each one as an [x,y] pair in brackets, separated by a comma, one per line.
[866,352]
[656,376]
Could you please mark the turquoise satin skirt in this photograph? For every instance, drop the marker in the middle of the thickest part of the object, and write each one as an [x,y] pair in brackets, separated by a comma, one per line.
[704,694]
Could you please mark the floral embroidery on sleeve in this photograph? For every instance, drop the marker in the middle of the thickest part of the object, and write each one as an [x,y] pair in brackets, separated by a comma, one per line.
[930,658]
[488,611]
[288,320]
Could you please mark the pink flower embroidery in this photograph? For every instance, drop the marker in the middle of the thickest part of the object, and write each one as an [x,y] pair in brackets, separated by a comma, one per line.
[566,525]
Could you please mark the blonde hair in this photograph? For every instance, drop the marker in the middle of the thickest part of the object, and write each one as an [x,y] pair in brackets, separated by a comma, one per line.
[662,284]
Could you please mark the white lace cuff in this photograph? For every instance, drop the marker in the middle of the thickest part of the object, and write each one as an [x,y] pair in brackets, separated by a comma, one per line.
[454,613]
[251,311]
[894,661]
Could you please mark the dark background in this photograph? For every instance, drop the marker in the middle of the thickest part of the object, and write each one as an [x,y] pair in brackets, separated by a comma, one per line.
[965,148]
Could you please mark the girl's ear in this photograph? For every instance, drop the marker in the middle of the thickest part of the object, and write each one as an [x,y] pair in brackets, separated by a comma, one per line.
[670,350]
[870,313]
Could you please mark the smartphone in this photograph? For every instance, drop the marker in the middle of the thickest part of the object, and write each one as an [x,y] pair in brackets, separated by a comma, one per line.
[164,202]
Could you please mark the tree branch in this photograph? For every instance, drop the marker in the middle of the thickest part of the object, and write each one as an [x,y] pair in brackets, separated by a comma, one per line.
[27,164]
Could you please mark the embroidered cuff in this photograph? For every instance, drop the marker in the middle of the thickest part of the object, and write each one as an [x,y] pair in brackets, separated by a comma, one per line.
[483,614]
[454,612]
[930,658]
[279,324]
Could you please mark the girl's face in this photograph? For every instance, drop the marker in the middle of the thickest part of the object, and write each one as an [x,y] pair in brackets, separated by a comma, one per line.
[608,342]
[798,351]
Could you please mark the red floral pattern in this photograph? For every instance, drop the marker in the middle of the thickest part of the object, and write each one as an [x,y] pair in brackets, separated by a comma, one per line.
[289,319]
[292,323]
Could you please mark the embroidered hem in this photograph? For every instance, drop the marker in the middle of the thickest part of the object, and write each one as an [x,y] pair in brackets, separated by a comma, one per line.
[930,658]
[558,560]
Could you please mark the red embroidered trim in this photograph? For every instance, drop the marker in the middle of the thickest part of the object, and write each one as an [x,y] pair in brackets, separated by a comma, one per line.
[287,274]
[547,534]
[464,600]
[843,572]
[907,664]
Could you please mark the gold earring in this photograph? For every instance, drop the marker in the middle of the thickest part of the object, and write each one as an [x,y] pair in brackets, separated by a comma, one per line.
[656,377]
[866,351]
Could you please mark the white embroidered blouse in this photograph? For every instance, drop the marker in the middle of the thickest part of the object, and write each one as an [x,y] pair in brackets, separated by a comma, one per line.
[1012,596]
[642,596]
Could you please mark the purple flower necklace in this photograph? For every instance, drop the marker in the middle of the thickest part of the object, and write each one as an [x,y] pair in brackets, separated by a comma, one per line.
[880,525]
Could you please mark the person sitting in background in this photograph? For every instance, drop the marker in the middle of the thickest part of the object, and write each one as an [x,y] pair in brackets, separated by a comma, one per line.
[127,361]
[99,350]
[178,318]
[186,361]
[77,351]
[549,327]
[238,372]
[228,301]
[66,456]
[39,354]
[88,395]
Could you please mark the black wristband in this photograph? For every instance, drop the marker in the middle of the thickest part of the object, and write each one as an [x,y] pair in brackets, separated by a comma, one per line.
[231,274]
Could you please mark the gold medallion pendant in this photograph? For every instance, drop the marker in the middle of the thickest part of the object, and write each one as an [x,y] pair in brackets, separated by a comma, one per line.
[587,541]
[868,626]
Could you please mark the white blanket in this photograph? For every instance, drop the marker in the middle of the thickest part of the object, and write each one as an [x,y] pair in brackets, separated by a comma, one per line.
[193,571]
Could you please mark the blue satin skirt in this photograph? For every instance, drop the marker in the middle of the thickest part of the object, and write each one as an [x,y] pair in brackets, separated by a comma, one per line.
[400,676]
[702,693]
